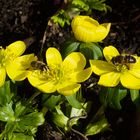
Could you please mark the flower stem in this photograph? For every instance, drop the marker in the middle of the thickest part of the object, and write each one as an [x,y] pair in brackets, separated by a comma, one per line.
[32,97]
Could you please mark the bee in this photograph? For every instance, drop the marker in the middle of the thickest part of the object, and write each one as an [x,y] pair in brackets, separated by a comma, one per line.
[123,59]
[39,65]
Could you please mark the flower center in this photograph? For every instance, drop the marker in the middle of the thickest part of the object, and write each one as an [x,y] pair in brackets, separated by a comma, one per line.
[5,57]
[59,74]
[56,74]
[121,67]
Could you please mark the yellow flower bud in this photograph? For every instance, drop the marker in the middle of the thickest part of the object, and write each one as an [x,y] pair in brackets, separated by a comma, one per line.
[86,29]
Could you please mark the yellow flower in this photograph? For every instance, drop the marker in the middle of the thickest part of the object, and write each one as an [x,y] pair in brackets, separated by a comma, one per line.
[118,68]
[86,29]
[62,76]
[10,59]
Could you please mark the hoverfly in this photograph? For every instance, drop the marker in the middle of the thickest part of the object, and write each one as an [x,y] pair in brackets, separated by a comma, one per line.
[123,59]
[39,65]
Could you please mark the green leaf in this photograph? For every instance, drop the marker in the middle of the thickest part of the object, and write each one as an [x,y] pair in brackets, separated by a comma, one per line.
[69,47]
[97,127]
[60,120]
[98,123]
[134,94]
[5,95]
[91,50]
[7,132]
[32,119]
[29,123]
[19,109]
[21,136]
[61,18]
[112,97]
[118,96]
[103,96]
[135,97]
[50,101]
[58,117]
[99,5]
[73,101]
[7,113]
[80,4]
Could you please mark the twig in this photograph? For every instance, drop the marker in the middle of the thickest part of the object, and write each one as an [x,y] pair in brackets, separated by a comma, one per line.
[75,131]
[136,18]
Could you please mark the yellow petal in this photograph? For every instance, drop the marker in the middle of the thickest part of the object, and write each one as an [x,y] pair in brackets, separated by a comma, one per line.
[74,61]
[135,65]
[100,67]
[18,69]
[17,48]
[85,35]
[110,79]
[135,72]
[69,90]
[134,68]
[107,27]
[44,84]
[84,28]
[109,52]
[101,32]
[35,80]
[53,56]
[41,84]
[48,87]
[2,76]
[18,75]
[81,76]
[129,81]
[87,29]
[78,20]
[24,62]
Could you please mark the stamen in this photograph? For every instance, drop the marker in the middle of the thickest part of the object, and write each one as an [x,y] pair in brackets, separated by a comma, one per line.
[121,67]
[57,74]
[5,57]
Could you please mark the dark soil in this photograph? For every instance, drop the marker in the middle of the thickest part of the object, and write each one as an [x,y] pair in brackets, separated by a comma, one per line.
[22,19]
[125,32]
